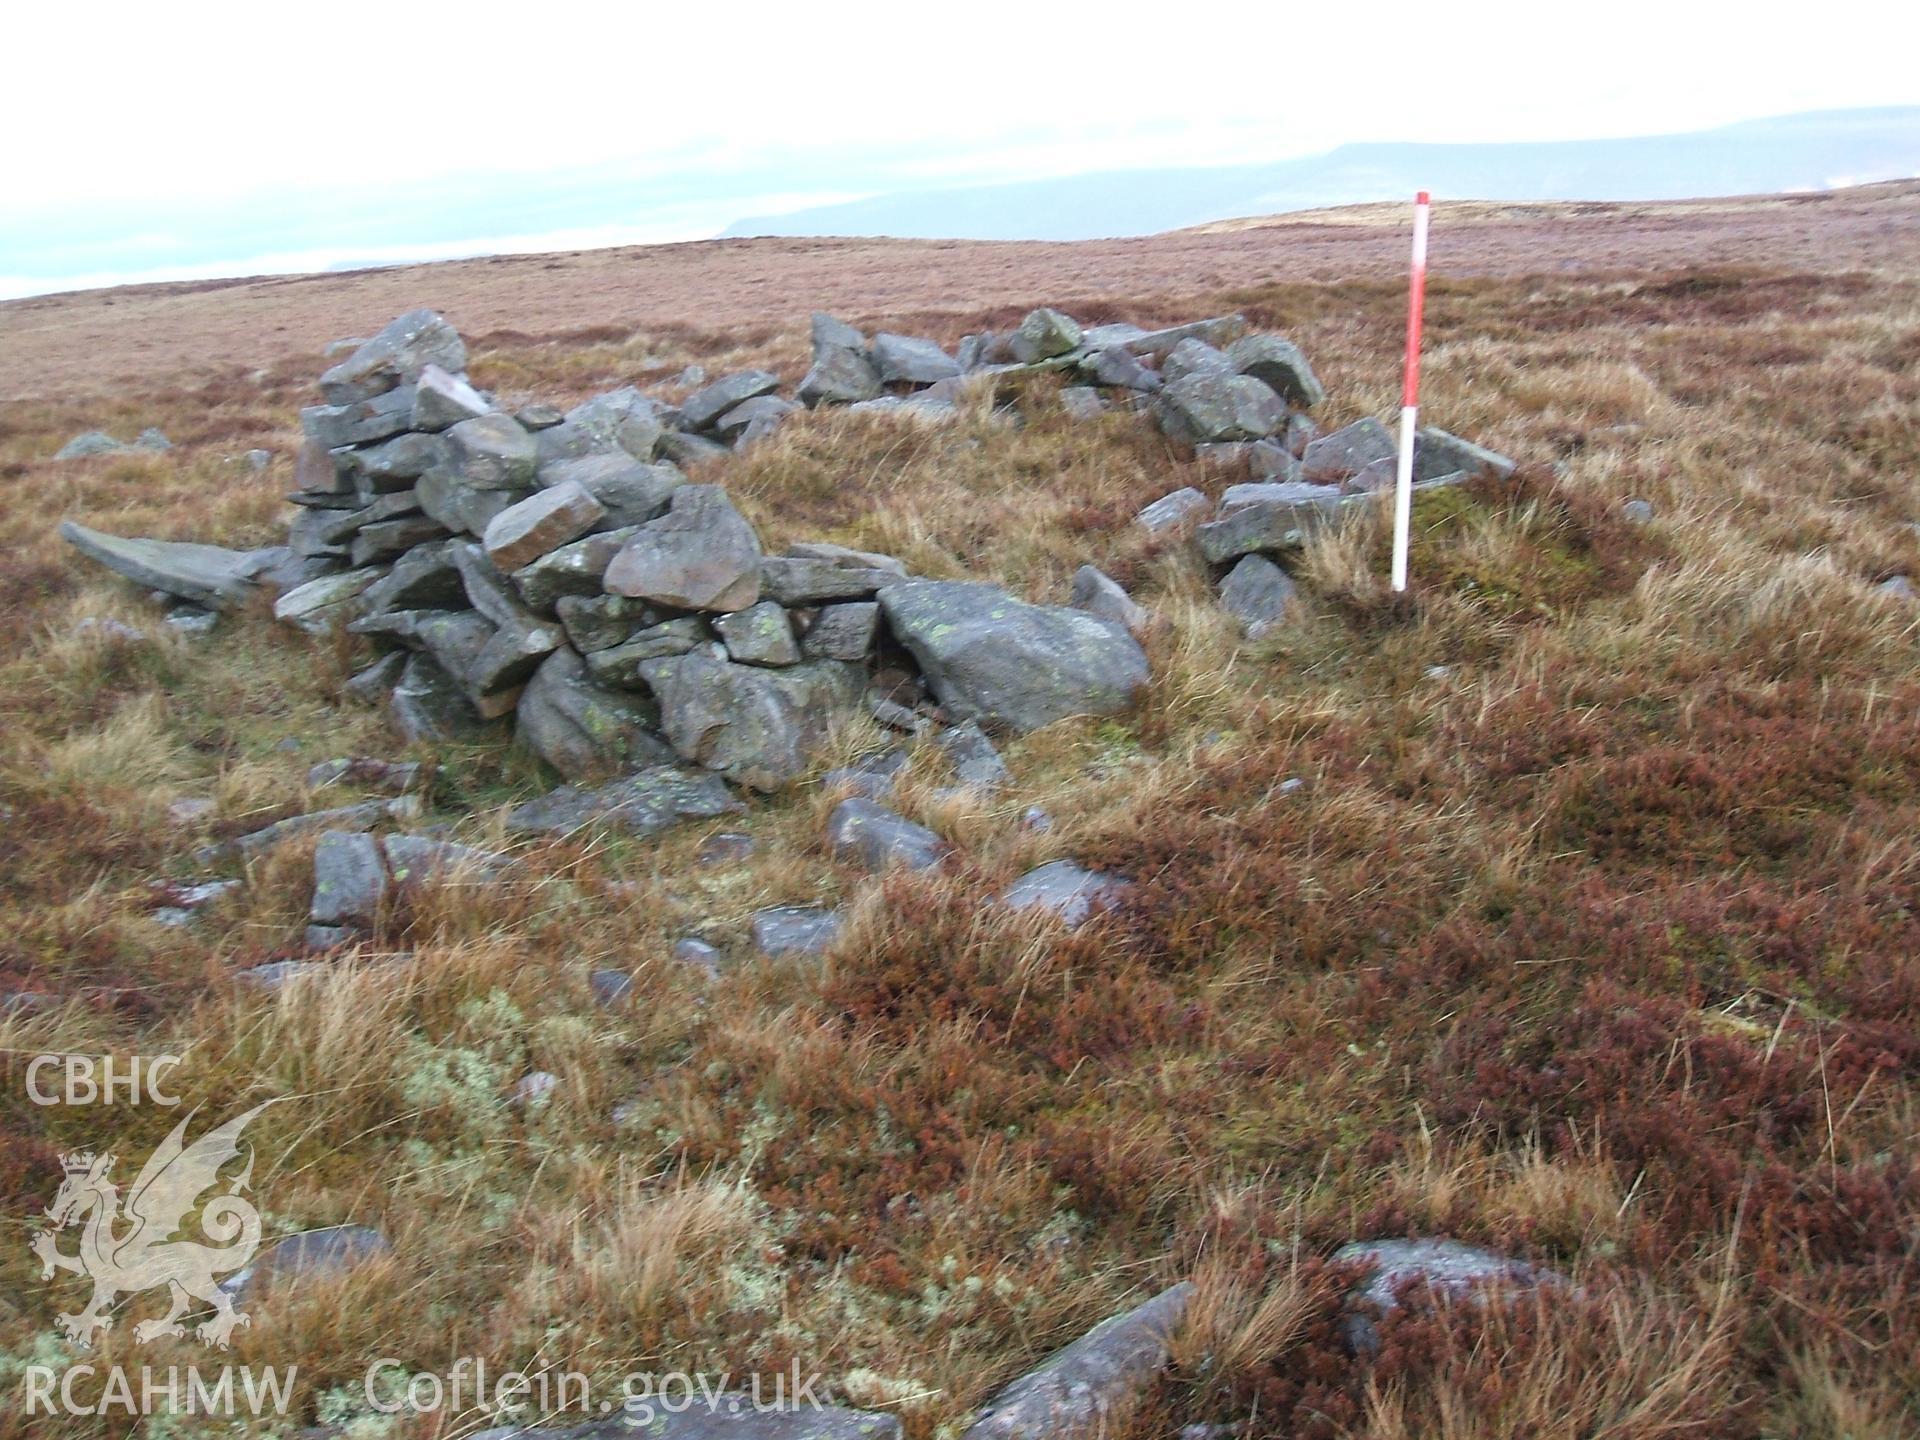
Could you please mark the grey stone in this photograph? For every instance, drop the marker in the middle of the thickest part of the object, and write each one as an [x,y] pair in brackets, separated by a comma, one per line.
[1098,593]
[692,950]
[332,1250]
[318,532]
[1279,365]
[191,620]
[911,360]
[845,557]
[152,440]
[645,804]
[1195,357]
[760,635]
[611,987]
[576,569]
[429,707]
[1299,434]
[1636,512]
[803,580]
[541,523]
[1082,402]
[322,938]
[427,577]
[1035,820]
[349,880]
[581,728]
[320,471]
[705,406]
[1204,407]
[1260,461]
[1170,512]
[976,764]
[841,375]
[1437,453]
[1219,331]
[395,464]
[999,660]
[622,420]
[795,930]
[206,575]
[690,450]
[869,833]
[759,728]
[1446,1270]
[842,632]
[395,356]
[1115,366]
[701,555]
[1067,890]
[629,664]
[1277,492]
[1346,451]
[460,506]
[1898,587]
[632,491]
[387,539]
[1044,334]
[873,776]
[441,399]
[360,422]
[600,622]
[277,974]
[344,817]
[1277,524]
[539,416]
[420,859]
[88,446]
[826,333]
[1257,593]
[327,603]
[371,685]
[493,452]
[1092,1386]
[762,413]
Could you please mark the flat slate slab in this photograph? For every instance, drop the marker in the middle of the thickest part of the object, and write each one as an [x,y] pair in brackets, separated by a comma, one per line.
[648,803]
[211,577]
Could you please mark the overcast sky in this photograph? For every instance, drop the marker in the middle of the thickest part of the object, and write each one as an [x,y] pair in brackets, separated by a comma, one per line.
[145,139]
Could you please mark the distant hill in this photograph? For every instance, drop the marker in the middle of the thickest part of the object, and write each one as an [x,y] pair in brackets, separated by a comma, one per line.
[1813,151]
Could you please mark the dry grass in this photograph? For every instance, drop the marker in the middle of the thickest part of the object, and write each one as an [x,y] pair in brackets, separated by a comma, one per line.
[1596,946]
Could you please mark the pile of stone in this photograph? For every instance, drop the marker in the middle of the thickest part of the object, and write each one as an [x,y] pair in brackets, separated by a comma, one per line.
[563,572]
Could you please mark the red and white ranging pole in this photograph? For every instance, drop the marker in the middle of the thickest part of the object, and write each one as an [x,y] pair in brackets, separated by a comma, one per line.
[1410,397]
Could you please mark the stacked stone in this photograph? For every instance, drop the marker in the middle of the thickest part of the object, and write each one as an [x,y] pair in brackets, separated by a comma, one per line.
[562,572]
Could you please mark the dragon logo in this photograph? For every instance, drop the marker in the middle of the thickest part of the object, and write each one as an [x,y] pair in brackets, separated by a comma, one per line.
[130,1247]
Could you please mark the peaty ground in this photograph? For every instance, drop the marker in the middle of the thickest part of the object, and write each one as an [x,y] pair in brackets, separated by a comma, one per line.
[1591,934]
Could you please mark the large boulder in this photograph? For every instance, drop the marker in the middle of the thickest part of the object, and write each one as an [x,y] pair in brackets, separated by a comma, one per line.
[1207,406]
[493,452]
[441,399]
[1436,453]
[843,372]
[621,420]
[1257,593]
[1284,520]
[543,522]
[361,422]
[758,727]
[92,443]
[992,658]
[701,555]
[210,577]
[1347,451]
[1044,335]
[1279,365]
[705,406]
[911,360]
[1090,1387]
[581,728]
[349,880]
[327,603]
[398,354]
[632,491]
